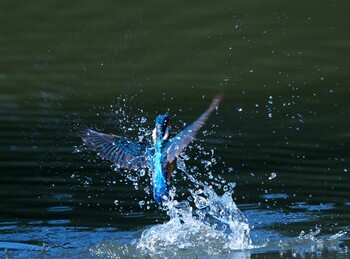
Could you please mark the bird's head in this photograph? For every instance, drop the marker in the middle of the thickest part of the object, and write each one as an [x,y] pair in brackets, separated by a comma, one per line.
[161,130]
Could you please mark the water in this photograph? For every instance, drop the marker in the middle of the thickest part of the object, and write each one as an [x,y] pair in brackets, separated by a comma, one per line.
[274,157]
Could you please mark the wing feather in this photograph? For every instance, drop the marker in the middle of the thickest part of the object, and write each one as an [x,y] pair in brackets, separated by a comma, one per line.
[178,143]
[124,152]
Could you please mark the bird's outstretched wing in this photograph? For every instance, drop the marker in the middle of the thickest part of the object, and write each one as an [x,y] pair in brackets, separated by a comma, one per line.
[124,152]
[178,143]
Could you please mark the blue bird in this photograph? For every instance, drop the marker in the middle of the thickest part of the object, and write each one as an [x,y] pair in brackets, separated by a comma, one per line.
[159,156]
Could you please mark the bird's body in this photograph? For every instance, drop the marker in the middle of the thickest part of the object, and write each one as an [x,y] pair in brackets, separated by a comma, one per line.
[159,172]
[158,156]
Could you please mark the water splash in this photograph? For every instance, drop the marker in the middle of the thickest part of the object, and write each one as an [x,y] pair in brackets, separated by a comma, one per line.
[205,224]
[214,230]
[313,244]
[212,225]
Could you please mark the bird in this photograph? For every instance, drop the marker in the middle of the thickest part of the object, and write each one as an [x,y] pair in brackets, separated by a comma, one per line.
[158,157]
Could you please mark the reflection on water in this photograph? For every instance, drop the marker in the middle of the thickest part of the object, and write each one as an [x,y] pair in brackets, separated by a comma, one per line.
[281,135]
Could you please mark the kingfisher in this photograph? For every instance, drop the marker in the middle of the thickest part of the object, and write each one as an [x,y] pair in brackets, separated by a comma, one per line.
[158,157]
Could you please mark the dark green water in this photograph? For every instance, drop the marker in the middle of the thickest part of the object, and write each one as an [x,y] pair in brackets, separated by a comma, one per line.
[284,67]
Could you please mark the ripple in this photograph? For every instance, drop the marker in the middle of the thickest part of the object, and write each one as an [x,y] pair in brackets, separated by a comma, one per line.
[59,222]
[60,208]
[60,196]
[133,214]
[19,246]
[309,207]
[35,222]
[275,196]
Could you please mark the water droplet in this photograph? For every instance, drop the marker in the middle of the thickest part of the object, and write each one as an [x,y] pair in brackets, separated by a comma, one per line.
[232,185]
[272,176]
[143,119]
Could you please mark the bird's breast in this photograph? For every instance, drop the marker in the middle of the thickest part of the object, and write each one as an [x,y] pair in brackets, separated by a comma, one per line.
[159,174]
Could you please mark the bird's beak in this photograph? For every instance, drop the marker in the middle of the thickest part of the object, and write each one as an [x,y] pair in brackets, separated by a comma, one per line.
[154,134]
[167,132]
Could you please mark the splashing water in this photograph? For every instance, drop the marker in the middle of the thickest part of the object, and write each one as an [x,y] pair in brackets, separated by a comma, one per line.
[310,243]
[206,224]
[213,231]
[213,226]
